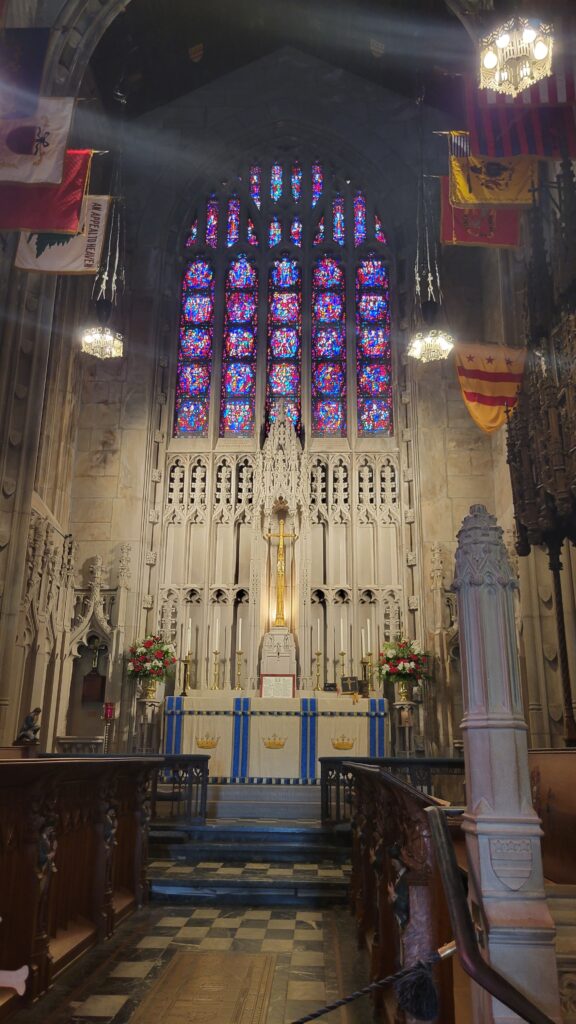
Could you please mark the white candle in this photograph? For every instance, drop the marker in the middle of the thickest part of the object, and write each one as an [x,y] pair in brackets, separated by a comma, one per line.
[217,634]
[369,643]
[189,637]
[342,635]
[363,643]
[318,624]
[239,634]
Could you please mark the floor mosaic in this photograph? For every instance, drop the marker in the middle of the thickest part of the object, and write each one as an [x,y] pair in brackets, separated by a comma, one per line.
[111,981]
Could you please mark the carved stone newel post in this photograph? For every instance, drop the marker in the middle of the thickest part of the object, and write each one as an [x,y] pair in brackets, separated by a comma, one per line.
[502,829]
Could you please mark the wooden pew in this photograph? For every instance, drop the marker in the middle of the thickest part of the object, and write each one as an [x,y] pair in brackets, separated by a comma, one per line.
[73,858]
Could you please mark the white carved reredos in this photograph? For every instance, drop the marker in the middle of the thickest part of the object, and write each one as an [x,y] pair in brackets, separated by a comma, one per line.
[279,471]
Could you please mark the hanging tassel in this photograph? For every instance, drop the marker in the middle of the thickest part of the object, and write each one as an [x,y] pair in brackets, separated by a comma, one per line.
[416,994]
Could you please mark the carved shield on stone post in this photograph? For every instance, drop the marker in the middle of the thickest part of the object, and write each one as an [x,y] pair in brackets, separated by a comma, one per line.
[511,861]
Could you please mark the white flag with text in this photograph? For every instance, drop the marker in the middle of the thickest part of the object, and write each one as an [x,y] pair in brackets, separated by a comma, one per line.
[68,254]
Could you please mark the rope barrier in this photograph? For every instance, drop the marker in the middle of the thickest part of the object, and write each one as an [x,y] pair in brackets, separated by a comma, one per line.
[414,989]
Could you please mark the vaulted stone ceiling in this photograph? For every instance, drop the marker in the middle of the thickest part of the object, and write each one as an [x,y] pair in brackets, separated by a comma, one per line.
[160,51]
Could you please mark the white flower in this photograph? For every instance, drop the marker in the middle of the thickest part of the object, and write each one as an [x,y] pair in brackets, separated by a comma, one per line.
[130,666]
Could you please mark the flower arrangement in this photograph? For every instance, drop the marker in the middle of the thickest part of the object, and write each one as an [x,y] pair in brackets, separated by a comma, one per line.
[151,657]
[403,661]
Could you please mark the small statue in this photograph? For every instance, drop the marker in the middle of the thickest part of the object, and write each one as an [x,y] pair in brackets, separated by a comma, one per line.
[28,734]
[398,891]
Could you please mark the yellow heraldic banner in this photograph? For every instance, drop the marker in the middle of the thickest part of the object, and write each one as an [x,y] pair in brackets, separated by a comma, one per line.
[479,180]
[490,377]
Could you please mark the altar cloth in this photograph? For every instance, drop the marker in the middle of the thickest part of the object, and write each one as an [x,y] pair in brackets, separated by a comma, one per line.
[273,740]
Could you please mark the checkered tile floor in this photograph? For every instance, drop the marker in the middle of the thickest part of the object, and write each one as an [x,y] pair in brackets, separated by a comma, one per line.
[215,870]
[108,984]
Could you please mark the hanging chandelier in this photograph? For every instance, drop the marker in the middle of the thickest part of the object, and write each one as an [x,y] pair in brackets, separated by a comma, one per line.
[103,339]
[102,342]
[430,339]
[429,346]
[516,55]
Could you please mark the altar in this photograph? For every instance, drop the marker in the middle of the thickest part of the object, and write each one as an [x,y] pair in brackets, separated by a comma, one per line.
[254,739]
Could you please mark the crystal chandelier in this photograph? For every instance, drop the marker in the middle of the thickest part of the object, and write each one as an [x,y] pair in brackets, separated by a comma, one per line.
[428,346]
[516,55]
[103,343]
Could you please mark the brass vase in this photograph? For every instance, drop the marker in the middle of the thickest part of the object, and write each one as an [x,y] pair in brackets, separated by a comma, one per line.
[149,684]
[404,684]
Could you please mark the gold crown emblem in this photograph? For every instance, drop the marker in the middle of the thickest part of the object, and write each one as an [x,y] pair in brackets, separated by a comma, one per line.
[342,743]
[275,742]
[207,742]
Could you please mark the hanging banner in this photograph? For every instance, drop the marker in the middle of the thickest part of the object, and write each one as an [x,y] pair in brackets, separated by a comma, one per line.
[22,55]
[479,181]
[36,208]
[490,377]
[32,149]
[53,253]
[505,131]
[477,225]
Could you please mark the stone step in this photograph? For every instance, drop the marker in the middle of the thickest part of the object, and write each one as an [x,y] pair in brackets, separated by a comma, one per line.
[255,802]
[232,844]
[252,884]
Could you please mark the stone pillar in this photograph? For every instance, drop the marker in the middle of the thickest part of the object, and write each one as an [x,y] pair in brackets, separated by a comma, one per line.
[502,829]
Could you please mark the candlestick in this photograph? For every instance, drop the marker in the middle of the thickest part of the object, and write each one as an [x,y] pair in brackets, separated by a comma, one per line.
[318,656]
[238,670]
[369,670]
[186,673]
[216,674]
[364,664]
[342,665]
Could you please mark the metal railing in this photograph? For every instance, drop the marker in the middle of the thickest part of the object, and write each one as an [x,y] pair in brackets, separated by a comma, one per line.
[441,777]
[463,929]
[181,785]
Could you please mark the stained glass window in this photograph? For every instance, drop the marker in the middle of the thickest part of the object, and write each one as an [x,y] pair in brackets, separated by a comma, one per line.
[195,350]
[289,203]
[328,348]
[374,364]
[379,233]
[192,237]
[284,339]
[276,182]
[317,182]
[233,226]
[359,218]
[275,232]
[255,180]
[296,231]
[212,211]
[338,223]
[239,349]
[296,181]
[319,234]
